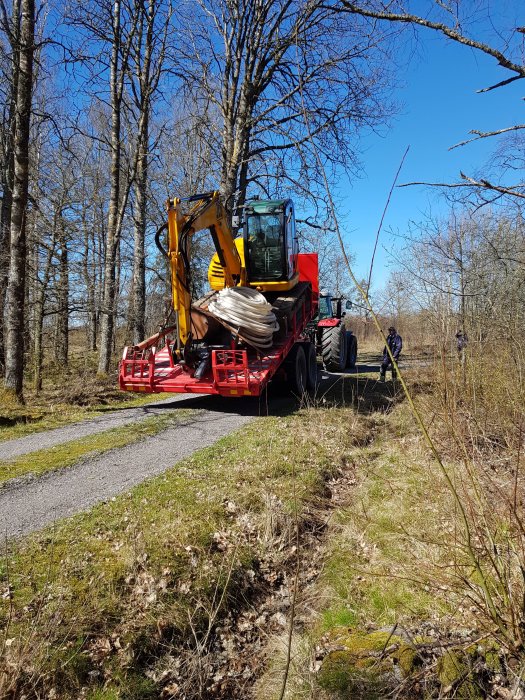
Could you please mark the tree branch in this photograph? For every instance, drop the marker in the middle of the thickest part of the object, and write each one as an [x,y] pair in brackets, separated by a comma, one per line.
[444,29]
[486,134]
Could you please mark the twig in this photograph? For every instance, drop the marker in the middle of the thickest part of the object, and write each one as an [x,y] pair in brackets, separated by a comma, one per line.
[486,134]
[382,219]
[295,588]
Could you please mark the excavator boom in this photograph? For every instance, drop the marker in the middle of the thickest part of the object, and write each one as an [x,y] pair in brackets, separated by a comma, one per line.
[206,212]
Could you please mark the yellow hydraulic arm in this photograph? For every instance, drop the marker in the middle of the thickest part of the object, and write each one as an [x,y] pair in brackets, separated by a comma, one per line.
[206,212]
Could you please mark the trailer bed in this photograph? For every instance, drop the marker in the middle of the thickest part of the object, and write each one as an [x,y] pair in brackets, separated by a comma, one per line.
[235,371]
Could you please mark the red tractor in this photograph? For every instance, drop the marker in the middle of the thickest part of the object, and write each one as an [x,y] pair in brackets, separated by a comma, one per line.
[335,344]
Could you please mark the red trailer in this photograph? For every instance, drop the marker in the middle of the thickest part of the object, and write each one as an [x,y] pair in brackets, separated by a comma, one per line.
[239,370]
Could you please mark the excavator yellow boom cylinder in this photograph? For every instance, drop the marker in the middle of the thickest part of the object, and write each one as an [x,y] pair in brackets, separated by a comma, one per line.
[207,213]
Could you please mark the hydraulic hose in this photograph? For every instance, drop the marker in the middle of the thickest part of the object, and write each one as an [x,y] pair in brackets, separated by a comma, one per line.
[248,310]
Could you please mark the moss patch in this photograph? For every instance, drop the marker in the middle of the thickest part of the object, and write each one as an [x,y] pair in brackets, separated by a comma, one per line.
[455,673]
[365,665]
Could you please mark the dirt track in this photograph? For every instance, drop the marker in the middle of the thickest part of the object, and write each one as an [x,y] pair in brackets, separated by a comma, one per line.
[115,419]
[30,504]
[27,505]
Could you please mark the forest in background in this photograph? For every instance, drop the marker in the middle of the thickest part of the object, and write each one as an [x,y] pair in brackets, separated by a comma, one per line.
[109,108]
[428,534]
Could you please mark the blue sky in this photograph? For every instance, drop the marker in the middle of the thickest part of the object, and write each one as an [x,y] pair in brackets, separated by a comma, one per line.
[438,107]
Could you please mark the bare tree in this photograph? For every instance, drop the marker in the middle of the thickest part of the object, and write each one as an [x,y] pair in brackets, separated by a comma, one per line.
[15,297]
[120,50]
[109,28]
[284,76]
[9,62]
[146,67]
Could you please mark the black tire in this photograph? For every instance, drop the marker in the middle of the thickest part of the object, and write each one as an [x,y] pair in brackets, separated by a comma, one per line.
[333,348]
[351,350]
[296,370]
[311,366]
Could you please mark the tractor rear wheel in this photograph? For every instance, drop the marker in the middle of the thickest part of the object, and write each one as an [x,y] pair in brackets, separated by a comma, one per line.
[311,366]
[333,348]
[351,350]
[296,370]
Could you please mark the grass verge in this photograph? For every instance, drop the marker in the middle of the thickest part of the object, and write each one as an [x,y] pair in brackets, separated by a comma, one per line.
[105,604]
[395,611]
[69,453]
[45,413]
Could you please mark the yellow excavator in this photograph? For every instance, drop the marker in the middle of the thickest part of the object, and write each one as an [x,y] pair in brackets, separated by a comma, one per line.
[260,272]
[264,257]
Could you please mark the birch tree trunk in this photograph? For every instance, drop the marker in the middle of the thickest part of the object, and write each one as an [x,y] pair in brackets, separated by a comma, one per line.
[137,311]
[137,307]
[15,298]
[62,318]
[107,322]
[148,58]
[89,275]
[41,285]
[8,174]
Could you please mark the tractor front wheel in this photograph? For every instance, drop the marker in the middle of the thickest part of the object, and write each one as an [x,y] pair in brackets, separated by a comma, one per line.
[333,347]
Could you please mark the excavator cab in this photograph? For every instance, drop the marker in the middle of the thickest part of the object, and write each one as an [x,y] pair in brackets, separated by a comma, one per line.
[270,244]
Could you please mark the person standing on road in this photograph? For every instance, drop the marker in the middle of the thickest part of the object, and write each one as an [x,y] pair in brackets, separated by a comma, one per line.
[395,343]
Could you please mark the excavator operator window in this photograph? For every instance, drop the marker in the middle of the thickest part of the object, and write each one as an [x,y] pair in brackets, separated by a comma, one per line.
[266,259]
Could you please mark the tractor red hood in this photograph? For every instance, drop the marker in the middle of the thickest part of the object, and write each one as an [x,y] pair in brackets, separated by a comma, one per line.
[328,322]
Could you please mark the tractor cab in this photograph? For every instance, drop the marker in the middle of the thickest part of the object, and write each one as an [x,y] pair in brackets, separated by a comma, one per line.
[326,309]
[270,244]
[332,307]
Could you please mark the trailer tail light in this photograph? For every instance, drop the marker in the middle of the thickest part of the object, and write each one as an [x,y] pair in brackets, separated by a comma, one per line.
[230,370]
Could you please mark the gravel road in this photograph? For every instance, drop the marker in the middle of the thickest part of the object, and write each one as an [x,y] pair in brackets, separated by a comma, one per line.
[30,506]
[40,441]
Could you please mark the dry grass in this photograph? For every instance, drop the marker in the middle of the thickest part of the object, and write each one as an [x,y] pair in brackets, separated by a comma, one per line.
[397,551]
[120,591]
[399,554]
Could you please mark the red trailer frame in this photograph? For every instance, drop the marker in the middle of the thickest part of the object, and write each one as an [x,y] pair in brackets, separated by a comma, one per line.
[233,372]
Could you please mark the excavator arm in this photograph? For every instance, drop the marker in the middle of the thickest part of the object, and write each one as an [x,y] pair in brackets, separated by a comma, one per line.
[206,212]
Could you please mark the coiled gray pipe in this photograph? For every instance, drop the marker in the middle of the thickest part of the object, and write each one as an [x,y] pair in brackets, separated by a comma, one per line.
[248,310]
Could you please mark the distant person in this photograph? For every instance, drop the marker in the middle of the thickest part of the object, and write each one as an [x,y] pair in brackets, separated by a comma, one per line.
[395,343]
[461,345]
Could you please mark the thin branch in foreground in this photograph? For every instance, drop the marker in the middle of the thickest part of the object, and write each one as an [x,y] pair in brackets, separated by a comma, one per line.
[383,218]
[511,191]
[469,544]
[486,134]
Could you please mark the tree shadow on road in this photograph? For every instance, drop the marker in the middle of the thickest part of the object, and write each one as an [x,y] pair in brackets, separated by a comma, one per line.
[354,388]
[269,403]
[363,393]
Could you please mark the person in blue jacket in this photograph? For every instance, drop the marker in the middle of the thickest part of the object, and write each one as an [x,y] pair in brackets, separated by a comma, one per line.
[395,343]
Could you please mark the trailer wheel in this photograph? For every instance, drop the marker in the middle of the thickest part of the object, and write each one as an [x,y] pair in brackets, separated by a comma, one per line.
[311,366]
[296,370]
[351,350]
[333,347]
